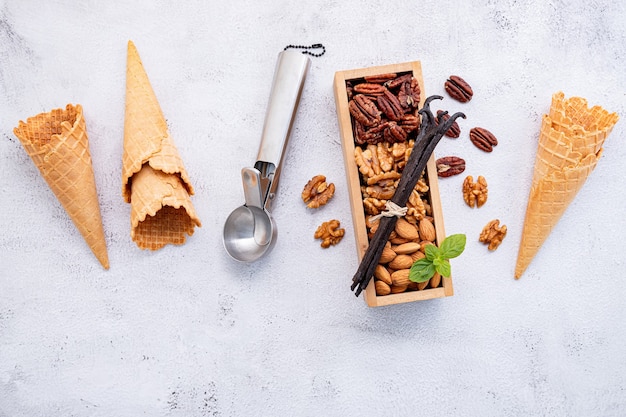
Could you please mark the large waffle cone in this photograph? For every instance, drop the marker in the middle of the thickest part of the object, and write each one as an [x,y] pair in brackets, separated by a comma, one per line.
[154,179]
[57,143]
[570,145]
[548,200]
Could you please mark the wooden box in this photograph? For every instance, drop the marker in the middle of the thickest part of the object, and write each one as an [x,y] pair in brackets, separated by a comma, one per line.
[354,180]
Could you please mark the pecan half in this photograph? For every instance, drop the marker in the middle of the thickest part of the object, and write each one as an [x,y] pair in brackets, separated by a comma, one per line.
[458,89]
[380,78]
[397,82]
[454,131]
[369,89]
[409,122]
[375,134]
[394,133]
[359,133]
[492,234]
[449,166]
[409,93]
[317,192]
[364,110]
[390,105]
[483,139]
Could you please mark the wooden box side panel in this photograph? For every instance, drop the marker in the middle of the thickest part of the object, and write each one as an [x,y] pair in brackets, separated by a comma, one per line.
[435,203]
[352,171]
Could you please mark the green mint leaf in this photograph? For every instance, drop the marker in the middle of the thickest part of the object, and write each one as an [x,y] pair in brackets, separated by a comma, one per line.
[452,246]
[431,252]
[444,268]
[422,270]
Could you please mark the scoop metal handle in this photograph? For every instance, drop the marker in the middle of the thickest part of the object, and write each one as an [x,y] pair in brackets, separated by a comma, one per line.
[289,76]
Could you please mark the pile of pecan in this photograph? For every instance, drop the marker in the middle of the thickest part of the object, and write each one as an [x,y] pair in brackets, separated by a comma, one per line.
[383,108]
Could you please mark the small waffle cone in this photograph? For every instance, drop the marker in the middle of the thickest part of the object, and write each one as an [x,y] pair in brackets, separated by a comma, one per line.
[57,143]
[161,211]
[154,179]
[570,145]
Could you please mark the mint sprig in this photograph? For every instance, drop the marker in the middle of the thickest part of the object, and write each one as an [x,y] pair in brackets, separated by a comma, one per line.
[437,259]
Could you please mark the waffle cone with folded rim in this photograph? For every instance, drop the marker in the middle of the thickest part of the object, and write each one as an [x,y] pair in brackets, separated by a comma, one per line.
[58,144]
[570,145]
[154,178]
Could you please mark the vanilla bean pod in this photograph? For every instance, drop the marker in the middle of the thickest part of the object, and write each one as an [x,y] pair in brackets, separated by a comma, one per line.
[425,143]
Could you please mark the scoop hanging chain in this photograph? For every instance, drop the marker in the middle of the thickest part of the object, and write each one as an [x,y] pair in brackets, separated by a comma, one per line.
[307,49]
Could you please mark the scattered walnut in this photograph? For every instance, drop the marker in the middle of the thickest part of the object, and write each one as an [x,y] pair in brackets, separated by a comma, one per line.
[373,205]
[363,159]
[375,162]
[385,157]
[391,175]
[317,192]
[330,233]
[415,205]
[475,193]
[381,191]
[493,234]
[422,186]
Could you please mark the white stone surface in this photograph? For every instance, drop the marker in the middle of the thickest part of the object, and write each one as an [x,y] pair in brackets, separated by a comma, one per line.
[186,331]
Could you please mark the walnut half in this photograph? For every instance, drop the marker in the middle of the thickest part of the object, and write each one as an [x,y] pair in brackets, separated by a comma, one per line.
[329,233]
[317,192]
[475,193]
[493,234]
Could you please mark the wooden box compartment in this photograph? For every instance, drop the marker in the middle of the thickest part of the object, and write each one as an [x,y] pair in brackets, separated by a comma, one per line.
[355,181]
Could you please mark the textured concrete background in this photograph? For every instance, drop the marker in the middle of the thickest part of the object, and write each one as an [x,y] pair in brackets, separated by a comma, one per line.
[186,331]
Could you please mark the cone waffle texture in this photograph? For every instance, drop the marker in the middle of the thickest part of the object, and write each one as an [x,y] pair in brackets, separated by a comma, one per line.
[57,143]
[154,179]
[570,145]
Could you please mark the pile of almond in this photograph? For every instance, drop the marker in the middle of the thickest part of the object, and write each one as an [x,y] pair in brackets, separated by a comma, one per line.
[405,246]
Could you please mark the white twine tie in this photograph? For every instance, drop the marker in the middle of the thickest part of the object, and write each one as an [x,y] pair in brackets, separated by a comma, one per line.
[392,210]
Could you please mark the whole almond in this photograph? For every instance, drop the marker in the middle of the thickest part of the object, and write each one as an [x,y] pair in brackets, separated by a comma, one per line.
[382,274]
[427,230]
[399,240]
[425,243]
[406,230]
[407,248]
[416,256]
[387,256]
[396,289]
[400,277]
[422,285]
[401,262]
[435,280]
[382,288]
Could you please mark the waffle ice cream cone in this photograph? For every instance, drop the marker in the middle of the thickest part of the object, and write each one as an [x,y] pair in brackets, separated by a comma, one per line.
[57,143]
[154,179]
[570,145]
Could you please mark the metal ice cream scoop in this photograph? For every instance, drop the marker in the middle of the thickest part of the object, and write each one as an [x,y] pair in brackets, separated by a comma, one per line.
[250,231]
